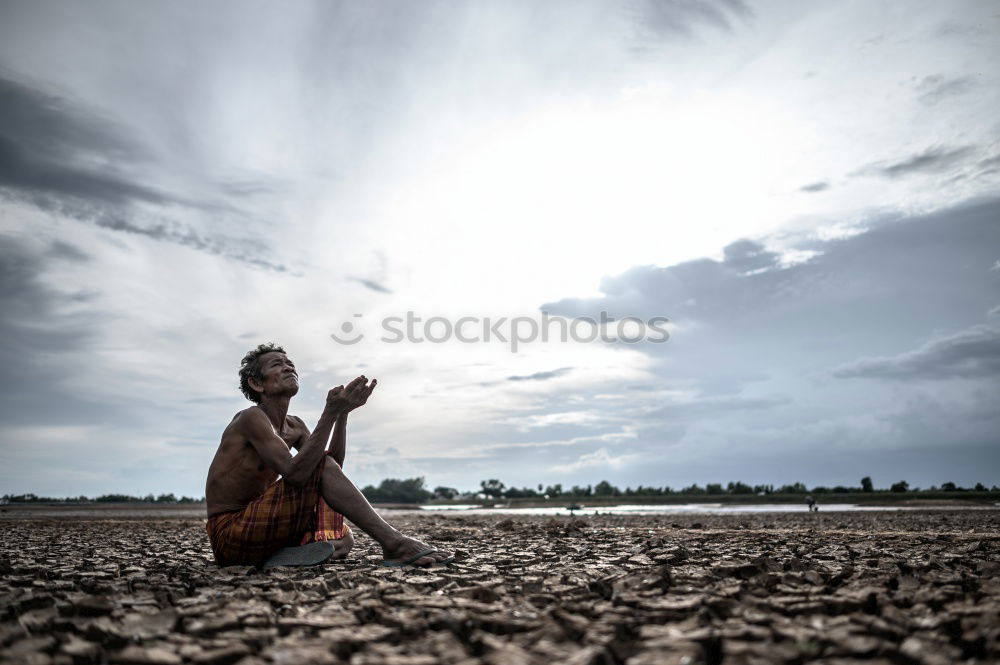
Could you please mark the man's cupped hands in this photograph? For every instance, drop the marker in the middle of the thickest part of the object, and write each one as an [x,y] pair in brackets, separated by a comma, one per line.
[349,397]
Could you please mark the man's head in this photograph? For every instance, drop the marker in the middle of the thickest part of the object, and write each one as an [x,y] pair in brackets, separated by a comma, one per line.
[266,370]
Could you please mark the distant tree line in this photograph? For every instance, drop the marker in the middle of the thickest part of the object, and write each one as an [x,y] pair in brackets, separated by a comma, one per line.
[104,498]
[495,489]
[413,490]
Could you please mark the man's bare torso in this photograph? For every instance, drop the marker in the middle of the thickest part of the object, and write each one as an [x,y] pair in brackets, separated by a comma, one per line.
[238,475]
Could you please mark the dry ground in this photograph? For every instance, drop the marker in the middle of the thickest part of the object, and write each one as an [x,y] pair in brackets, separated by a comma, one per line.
[887,587]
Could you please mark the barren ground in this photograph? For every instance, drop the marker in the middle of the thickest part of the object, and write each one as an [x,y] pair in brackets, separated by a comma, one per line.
[886,587]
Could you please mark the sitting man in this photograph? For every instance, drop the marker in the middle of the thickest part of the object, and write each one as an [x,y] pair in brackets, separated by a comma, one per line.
[256,519]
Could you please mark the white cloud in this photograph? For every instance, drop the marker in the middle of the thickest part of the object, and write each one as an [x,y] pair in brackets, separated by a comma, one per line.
[600,459]
[527,422]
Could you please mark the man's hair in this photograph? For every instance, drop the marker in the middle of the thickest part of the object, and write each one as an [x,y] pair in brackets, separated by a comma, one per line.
[250,369]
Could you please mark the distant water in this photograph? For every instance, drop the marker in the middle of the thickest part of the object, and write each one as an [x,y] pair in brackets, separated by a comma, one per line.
[197,511]
[683,509]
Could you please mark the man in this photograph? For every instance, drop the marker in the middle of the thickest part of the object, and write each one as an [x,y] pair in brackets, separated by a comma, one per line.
[256,519]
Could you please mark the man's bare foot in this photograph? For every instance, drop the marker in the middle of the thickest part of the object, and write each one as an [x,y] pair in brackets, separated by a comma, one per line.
[407,548]
[342,546]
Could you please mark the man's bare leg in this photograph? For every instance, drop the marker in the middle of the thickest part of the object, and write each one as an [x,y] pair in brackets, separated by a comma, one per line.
[347,499]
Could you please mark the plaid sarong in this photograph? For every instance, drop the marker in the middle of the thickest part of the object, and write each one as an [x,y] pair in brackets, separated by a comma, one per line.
[280,517]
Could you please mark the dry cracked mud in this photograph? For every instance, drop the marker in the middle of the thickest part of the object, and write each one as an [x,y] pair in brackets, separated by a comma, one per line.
[907,588]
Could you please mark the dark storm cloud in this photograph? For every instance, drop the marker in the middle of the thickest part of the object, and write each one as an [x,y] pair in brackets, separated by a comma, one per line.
[748,256]
[932,89]
[174,233]
[703,285]
[247,188]
[932,160]
[49,146]
[969,353]
[815,187]
[40,340]
[64,250]
[898,266]
[22,171]
[62,158]
[49,127]
[665,18]
[26,302]
[542,376]
[371,284]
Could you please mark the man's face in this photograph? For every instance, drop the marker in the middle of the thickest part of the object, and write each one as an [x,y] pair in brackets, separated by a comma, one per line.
[280,377]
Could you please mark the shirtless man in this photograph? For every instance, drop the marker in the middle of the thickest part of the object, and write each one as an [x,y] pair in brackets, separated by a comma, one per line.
[252,514]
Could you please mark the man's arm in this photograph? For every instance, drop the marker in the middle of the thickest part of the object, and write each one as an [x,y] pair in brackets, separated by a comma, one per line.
[338,445]
[272,449]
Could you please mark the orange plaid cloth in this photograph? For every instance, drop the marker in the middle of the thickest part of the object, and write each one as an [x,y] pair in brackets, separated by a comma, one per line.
[280,517]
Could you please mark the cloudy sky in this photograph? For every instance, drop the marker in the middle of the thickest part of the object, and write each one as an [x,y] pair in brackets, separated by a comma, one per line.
[810,192]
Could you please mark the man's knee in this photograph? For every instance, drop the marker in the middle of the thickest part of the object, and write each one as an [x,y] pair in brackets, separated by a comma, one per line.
[332,470]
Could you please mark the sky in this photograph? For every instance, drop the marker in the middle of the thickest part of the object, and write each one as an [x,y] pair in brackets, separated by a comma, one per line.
[809,193]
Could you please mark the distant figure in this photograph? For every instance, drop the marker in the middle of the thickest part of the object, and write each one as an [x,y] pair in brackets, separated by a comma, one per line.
[811,504]
[256,519]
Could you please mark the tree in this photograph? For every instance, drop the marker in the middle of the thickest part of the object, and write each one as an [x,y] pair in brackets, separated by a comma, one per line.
[492,488]
[948,487]
[713,488]
[739,488]
[393,490]
[901,486]
[980,487]
[448,493]
[604,488]
[866,484]
[554,490]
